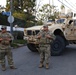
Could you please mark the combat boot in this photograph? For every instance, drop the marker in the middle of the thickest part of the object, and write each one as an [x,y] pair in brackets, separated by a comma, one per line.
[41,65]
[3,68]
[13,67]
[47,65]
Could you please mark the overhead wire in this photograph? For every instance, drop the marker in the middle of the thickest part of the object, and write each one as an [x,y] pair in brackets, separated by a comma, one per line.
[67,5]
[70,5]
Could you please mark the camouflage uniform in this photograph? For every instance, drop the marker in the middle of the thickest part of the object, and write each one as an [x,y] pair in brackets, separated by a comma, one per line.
[5,49]
[44,46]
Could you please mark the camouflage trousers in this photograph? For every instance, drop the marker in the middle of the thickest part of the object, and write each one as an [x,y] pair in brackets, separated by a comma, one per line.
[44,53]
[7,53]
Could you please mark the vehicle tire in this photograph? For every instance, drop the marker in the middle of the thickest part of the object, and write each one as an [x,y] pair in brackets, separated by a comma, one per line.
[32,47]
[57,46]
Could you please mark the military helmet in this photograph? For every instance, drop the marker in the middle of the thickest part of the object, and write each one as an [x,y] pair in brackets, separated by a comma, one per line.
[3,27]
[45,26]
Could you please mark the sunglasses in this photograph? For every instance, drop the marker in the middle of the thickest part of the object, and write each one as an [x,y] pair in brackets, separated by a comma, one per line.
[3,28]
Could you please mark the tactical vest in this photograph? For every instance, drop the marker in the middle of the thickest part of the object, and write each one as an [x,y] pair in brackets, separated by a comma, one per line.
[4,36]
[44,40]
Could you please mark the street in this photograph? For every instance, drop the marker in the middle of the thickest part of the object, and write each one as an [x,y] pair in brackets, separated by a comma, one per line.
[27,63]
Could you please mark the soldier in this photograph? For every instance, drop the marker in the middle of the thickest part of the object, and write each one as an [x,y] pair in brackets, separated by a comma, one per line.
[45,38]
[5,49]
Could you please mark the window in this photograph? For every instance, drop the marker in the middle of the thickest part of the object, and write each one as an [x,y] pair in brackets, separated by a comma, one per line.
[74,22]
[60,21]
[29,32]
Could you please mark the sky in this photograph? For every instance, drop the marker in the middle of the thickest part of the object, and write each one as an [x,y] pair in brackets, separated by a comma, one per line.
[71,3]
[68,3]
[3,2]
[51,2]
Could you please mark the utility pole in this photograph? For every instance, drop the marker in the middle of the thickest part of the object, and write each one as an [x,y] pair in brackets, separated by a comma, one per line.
[49,2]
[11,10]
[52,3]
[49,8]
[52,7]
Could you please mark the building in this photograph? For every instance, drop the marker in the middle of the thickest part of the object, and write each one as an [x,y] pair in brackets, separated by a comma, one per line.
[2,8]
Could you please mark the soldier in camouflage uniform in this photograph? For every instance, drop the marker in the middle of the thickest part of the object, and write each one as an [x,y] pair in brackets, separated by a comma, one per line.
[45,38]
[5,49]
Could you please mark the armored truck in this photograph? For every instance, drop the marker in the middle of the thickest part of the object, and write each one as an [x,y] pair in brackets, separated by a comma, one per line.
[64,29]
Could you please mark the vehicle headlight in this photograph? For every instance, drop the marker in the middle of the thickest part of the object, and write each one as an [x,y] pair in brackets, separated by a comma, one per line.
[25,38]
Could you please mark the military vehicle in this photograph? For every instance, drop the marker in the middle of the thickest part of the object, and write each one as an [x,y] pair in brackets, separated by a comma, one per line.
[64,29]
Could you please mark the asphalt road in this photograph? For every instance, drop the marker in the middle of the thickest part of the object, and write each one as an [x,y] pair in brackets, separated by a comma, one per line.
[27,63]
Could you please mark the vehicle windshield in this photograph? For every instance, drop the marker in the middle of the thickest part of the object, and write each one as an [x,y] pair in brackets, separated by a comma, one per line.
[50,20]
[60,21]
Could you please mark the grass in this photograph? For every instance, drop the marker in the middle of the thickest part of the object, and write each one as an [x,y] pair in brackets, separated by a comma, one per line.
[18,43]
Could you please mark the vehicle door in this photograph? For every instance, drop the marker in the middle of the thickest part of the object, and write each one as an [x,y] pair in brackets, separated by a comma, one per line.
[74,32]
[69,30]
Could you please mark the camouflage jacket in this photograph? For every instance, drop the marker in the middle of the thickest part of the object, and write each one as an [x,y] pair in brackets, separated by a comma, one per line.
[43,39]
[5,43]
